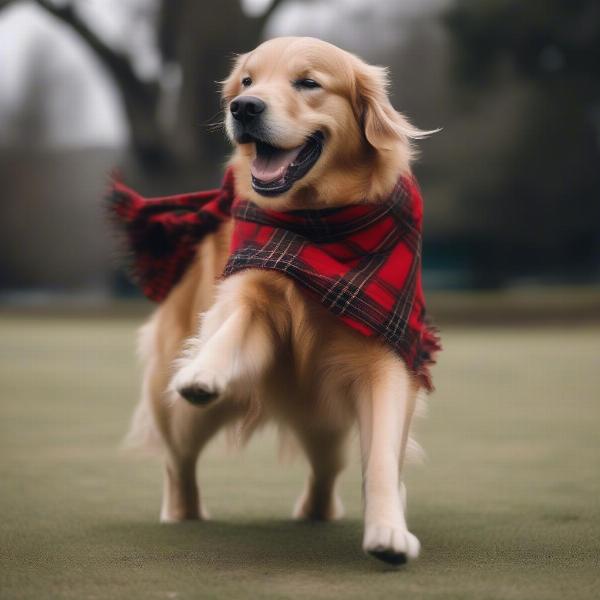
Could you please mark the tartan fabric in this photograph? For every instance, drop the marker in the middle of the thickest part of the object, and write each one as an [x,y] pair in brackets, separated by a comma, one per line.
[162,233]
[362,262]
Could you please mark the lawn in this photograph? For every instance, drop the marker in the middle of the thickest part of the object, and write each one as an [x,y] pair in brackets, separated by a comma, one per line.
[506,505]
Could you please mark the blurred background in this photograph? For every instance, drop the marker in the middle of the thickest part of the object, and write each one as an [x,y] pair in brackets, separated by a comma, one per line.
[507,504]
[511,184]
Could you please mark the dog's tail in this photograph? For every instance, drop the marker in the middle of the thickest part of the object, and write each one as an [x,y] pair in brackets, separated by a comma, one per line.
[143,435]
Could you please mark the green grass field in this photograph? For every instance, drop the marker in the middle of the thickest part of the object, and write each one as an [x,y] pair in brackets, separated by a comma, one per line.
[507,504]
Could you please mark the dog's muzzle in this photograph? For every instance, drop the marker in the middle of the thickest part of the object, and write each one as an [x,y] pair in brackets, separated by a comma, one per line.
[274,169]
[245,109]
[247,124]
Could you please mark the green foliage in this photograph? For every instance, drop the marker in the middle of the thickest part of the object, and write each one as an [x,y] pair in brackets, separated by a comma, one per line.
[547,184]
[541,39]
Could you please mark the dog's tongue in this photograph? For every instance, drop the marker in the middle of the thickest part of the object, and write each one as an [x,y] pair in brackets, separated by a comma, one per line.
[270,166]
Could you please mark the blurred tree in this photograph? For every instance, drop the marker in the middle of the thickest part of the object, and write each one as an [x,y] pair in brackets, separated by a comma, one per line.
[546,209]
[196,42]
[202,38]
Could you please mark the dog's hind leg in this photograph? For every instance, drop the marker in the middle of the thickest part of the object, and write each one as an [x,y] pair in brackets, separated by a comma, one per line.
[189,430]
[325,450]
[385,409]
[183,431]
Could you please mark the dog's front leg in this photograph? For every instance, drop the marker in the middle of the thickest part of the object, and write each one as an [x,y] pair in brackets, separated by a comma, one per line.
[385,409]
[232,347]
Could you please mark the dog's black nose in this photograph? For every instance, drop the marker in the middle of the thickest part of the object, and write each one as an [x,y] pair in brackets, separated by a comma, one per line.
[246,108]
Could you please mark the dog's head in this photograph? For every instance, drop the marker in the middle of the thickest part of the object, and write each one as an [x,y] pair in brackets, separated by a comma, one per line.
[313,126]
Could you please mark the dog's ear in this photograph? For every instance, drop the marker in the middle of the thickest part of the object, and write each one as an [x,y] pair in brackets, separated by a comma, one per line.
[384,128]
[230,86]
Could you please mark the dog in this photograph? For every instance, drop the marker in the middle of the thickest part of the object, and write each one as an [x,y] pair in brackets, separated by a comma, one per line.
[314,132]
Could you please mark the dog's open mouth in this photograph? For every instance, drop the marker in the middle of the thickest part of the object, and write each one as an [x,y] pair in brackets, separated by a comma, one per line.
[275,170]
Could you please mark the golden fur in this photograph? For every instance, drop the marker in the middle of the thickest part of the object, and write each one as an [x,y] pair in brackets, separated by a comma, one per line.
[264,350]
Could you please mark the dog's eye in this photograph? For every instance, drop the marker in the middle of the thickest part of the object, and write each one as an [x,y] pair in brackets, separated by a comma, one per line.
[247,81]
[309,84]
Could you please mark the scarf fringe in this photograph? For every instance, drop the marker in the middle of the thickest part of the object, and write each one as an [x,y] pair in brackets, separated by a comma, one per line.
[430,346]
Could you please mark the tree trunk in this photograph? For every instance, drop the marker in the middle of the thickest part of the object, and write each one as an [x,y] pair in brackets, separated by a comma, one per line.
[203,38]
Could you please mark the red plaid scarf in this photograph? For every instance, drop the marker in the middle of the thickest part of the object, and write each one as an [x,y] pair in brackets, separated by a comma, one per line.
[362,262]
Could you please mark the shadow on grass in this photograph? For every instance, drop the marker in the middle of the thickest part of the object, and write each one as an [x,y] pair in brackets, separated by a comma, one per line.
[278,544]
[254,544]
[450,539]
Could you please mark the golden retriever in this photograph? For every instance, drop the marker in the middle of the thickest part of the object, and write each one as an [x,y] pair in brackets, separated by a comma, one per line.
[252,345]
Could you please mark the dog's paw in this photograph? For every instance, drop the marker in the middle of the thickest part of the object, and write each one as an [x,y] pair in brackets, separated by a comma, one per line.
[308,508]
[198,385]
[197,394]
[393,545]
